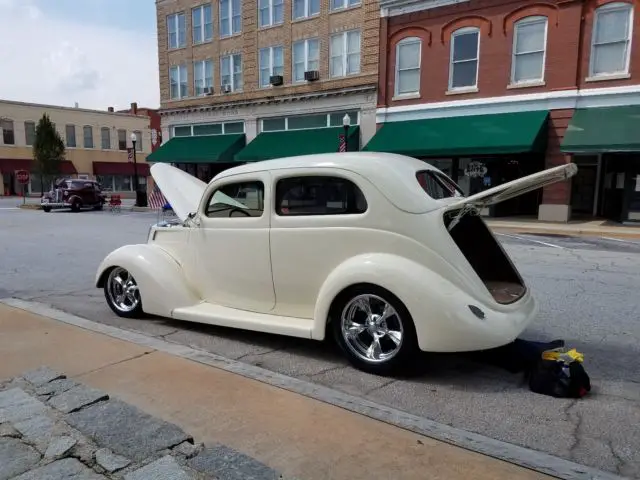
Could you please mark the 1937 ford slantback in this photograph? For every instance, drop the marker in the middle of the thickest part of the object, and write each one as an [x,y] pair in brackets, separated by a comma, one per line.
[382,250]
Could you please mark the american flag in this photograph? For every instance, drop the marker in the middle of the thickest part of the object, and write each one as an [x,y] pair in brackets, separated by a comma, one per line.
[343,143]
[156,198]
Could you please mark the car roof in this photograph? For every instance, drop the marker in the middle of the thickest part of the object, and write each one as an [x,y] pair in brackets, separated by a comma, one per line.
[394,175]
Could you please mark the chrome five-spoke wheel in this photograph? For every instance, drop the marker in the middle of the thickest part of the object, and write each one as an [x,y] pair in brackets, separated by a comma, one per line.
[374,329]
[122,293]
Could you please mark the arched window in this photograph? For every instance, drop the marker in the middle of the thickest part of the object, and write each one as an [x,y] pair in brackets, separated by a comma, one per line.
[611,40]
[465,53]
[408,53]
[529,49]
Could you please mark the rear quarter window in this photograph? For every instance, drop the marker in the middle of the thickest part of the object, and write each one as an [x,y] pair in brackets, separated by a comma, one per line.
[318,195]
[438,185]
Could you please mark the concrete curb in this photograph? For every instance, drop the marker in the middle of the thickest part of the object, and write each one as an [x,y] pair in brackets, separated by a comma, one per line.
[565,231]
[534,460]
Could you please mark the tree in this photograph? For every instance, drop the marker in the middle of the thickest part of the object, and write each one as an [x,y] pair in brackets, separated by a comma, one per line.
[48,149]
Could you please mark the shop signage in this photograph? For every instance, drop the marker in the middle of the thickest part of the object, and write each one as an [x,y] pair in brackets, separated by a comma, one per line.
[22,176]
[475,169]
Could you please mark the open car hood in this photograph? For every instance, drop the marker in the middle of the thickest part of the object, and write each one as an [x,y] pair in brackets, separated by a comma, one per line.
[182,191]
[517,187]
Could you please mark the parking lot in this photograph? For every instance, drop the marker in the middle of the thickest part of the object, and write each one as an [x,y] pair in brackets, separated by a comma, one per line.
[587,288]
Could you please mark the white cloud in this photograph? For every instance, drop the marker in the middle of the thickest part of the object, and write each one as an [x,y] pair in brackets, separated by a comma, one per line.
[53,61]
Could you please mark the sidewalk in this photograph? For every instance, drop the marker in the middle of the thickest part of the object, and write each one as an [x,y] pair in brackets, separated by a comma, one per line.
[597,228]
[293,434]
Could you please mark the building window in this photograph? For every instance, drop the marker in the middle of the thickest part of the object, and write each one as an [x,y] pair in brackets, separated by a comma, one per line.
[338,4]
[29,133]
[70,135]
[87,133]
[271,63]
[270,12]
[178,87]
[122,139]
[465,49]
[202,76]
[177,30]
[105,138]
[8,135]
[303,122]
[408,61]
[611,40]
[306,57]
[345,54]
[230,17]
[305,8]
[202,24]
[529,45]
[204,129]
[138,135]
[231,72]
[318,195]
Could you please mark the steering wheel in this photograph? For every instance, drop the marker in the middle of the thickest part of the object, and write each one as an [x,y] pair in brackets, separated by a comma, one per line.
[235,209]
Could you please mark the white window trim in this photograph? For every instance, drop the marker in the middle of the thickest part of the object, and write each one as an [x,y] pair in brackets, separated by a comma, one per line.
[286,122]
[231,72]
[306,57]
[202,24]
[463,31]
[272,20]
[204,78]
[345,5]
[396,84]
[345,53]
[604,8]
[179,97]
[528,21]
[173,128]
[175,17]
[271,64]
[307,8]
[232,13]
[105,129]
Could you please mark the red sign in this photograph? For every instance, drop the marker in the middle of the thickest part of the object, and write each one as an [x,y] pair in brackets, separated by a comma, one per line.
[22,176]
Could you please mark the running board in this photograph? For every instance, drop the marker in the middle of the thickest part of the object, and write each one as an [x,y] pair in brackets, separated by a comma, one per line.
[234,318]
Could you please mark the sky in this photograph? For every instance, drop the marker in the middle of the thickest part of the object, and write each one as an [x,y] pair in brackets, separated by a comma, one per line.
[99,53]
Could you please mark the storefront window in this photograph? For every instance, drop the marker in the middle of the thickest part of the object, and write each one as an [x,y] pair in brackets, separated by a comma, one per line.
[122,183]
[211,129]
[234,127]
[300,122]
[105,181]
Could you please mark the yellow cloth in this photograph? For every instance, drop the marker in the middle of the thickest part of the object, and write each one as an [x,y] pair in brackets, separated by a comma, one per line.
[571,356]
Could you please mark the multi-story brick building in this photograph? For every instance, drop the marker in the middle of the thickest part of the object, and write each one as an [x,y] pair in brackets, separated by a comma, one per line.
[491,90]
[96,143]
[262,76]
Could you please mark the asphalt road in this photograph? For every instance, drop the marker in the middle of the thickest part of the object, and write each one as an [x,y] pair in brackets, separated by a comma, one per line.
[587,287]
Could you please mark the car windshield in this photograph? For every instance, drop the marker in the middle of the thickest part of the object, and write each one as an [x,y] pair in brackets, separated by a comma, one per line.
[437,185]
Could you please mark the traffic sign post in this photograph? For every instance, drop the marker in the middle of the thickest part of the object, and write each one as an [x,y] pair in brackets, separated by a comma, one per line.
[22,176]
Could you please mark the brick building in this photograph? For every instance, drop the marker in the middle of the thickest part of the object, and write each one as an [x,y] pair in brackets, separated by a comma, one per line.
[246,81]
[490,90]
[96,142]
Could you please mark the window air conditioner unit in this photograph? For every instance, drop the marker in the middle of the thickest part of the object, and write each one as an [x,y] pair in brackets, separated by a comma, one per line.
[312,75]
[226,88]
[276,80]
[208,91]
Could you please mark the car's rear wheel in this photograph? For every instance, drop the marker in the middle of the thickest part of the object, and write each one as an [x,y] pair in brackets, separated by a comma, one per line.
[46,209]
[75,206]
[374,330]
[98,207]
[122,293]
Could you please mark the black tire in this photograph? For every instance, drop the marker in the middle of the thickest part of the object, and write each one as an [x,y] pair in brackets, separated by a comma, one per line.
[136,312]
[75,206]
[406,351]
[46,209]
[98,207]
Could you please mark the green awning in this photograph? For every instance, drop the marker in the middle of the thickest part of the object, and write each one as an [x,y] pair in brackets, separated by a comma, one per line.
[501,133]
[289,143]
[201,149]
[606,129]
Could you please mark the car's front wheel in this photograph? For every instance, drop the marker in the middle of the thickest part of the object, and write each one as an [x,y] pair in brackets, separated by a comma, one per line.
[122,293]
[46,209]
[374,329]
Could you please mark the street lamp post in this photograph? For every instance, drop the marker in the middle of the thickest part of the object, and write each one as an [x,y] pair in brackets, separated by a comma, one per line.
[346,123]
[141,198]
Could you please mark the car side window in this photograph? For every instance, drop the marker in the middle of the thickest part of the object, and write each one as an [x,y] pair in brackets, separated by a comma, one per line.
[318,195]
[245,199]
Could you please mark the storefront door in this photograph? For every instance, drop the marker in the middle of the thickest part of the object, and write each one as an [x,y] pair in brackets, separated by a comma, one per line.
[584,185]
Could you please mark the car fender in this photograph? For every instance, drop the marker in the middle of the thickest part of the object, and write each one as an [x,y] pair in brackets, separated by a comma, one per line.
[159,276]
[416,286]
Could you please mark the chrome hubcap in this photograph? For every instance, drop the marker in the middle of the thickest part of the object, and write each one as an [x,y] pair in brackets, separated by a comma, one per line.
[371,328]
[123,290]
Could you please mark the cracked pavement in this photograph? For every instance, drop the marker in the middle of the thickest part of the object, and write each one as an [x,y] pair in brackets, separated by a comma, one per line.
[588,296]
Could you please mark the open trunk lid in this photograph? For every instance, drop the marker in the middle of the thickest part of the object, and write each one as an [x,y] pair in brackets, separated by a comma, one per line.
[517,187]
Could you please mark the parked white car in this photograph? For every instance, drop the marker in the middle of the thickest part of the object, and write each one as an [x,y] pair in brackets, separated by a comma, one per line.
[382,250]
